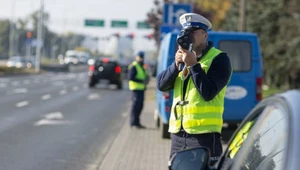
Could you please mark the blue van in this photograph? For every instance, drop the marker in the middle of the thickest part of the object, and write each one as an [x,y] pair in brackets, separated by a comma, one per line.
[245,87]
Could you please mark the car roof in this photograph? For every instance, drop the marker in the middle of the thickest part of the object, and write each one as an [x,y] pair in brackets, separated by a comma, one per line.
[292,98]
[106,59]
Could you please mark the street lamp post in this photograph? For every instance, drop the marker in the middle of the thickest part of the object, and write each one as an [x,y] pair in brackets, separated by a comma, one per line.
[12,30]
[39,38]
[242,16]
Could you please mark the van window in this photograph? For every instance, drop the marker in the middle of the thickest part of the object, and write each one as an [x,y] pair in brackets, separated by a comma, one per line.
[239,52]
[160,60]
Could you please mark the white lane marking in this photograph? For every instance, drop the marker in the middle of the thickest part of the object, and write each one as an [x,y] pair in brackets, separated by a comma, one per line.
[46,97]
[124,114]
[75,88]
[15,83]
[63,92]
[54,115]
[4,80]
[20,90]
[54,118]
[22,104]
[3,85]
[58,83]
[93,96]
[51,122]
[26,82]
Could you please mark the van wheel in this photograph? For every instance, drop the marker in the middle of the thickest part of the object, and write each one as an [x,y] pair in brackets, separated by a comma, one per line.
[157,122]
[156,118]
[164,130]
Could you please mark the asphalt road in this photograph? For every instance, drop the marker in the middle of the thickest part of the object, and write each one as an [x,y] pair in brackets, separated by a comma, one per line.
[55,122]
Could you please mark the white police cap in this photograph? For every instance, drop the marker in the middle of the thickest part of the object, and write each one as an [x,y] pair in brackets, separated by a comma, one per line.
[193,20]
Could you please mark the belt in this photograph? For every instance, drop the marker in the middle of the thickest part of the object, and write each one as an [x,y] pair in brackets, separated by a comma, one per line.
[183,133]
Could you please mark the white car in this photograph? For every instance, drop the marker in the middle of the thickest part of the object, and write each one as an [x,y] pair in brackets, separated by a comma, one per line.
[16,61]
[267,139]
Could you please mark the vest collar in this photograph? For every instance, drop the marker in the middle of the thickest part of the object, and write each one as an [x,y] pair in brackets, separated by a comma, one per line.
[208,47]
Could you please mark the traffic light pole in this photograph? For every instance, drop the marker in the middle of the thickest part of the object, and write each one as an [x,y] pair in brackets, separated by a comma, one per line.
[39,38]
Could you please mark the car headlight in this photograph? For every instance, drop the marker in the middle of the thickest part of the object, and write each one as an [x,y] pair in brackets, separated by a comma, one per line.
[19,65]
[75,61]
[9,64]
[29,65]
[91,62]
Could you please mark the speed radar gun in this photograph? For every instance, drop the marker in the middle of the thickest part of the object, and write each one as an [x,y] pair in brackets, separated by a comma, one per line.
[184,39]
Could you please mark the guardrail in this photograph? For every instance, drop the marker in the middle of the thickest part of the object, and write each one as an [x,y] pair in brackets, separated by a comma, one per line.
[65,68]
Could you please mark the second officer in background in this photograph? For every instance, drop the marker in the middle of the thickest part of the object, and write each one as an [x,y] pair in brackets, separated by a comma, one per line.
[138,80]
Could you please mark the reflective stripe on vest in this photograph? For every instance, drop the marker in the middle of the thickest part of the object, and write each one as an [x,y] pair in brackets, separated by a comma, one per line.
[141,75]
[197,116]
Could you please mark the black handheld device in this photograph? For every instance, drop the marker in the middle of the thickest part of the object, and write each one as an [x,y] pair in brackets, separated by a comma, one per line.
[184,39]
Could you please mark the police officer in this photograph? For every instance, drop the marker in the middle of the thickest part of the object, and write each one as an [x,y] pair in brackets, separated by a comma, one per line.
[138,80]
[198,101]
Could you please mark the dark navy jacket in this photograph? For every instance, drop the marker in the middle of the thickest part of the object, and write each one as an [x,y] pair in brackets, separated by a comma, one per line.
[208,85]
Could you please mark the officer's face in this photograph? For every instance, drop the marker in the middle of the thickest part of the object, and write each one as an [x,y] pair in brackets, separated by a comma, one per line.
[200,38]
[139,59]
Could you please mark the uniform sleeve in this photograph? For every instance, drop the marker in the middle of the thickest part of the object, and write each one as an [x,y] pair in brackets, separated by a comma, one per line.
[166,79]
[132,73]
[217,77]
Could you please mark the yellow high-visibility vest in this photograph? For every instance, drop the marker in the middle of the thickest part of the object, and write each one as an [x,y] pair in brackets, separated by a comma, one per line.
[197,116]
[141,75]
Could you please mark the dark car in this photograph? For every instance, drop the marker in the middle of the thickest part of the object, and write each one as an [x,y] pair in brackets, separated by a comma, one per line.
[106,69]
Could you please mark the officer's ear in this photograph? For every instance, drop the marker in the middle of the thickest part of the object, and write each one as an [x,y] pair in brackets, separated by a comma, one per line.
[205,36]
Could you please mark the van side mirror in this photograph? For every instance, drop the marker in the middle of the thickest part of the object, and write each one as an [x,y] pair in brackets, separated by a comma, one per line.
[190,159]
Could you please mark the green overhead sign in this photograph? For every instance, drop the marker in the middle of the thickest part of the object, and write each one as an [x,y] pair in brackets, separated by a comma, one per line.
[119,24]
[94,23]
[142,25]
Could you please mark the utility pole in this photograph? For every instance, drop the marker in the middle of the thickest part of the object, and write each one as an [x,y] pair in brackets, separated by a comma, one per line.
[242,16]
[39,38]
[12,31]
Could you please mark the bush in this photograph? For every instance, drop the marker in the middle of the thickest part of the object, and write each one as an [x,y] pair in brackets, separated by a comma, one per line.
[14,70]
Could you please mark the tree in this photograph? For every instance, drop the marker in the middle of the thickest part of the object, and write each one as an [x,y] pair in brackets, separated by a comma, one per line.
[62,42]
[276,24]
[4,38]
[214,10]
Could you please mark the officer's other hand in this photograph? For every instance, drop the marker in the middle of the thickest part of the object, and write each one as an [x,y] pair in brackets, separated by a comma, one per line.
[178,58]
[147,81]
[188,57]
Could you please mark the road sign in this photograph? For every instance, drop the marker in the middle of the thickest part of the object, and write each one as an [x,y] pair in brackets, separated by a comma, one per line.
[142,25]
[166,29]
[172,12]
[94,23]
[119,24]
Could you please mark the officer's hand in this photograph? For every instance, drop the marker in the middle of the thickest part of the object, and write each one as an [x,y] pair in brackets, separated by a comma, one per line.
[189,58]
[178,58]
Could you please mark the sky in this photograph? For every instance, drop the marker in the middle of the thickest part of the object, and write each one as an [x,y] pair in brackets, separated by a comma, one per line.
[69,15]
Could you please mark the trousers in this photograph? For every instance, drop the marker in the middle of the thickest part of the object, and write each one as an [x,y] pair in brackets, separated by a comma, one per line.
[183,140]
[136,107]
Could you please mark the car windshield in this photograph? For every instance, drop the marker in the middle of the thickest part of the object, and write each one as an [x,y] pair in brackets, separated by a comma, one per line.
[15,59]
